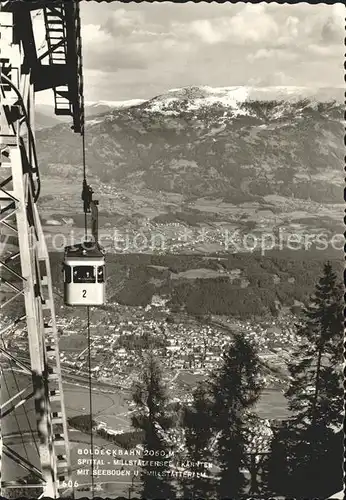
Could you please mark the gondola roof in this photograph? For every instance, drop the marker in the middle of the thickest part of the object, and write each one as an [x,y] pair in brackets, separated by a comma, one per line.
[86,249]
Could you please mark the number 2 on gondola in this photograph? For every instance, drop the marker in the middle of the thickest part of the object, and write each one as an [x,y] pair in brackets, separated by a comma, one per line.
[84,294]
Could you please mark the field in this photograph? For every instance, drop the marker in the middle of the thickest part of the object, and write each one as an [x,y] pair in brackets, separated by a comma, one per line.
[108,407]
[136,211]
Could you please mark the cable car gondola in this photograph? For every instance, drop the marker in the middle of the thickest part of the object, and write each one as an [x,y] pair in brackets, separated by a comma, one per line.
[84,263]
[84,275]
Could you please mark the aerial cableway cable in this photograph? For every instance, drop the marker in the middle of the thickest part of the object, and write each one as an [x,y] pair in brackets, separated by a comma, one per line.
[86,196]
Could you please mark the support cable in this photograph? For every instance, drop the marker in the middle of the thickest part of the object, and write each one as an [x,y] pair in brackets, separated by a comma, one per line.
[90,406]
[84,185]
[85,196]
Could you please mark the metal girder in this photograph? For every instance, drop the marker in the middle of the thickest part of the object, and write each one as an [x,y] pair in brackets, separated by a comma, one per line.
[30,280]
[8,268]
[21,402]
[11,299]
[11,325]
[64,37]
[16,396]
[14,484]
[17,362]
[62,25]
[10,285]
[52,49]
[22,462]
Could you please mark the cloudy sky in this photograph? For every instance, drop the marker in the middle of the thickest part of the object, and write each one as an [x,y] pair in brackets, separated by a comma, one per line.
[142,50]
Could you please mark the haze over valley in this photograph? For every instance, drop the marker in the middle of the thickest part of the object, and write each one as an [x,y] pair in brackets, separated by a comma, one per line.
[211,160]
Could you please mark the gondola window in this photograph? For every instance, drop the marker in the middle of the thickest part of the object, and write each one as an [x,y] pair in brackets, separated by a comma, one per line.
[84,274]
[100,274]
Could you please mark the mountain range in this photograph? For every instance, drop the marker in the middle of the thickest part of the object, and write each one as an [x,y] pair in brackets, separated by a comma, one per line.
[198,96]
[45,117]
[200,142]
[235,158]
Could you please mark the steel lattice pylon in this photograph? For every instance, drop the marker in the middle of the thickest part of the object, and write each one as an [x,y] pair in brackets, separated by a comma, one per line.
[33,434]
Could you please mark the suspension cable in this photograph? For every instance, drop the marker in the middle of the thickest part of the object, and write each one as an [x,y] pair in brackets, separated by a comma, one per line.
[85,187]
[84,182]
[90,405]
[86,201]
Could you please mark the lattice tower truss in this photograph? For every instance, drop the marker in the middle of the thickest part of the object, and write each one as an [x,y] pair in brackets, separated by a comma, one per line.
[34,445]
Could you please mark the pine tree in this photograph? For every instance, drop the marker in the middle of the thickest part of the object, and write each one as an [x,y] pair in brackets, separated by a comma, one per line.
[198,434]
[153,419]
[314,398]
[315,393]
[236,388]
[275,478]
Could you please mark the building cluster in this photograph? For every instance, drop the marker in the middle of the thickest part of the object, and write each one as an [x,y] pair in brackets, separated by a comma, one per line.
[160,238]
[188,349]
[117,348]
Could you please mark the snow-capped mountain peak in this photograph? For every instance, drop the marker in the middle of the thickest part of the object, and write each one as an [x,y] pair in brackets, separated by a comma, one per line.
[115,104]
[193,98]
[197,97]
